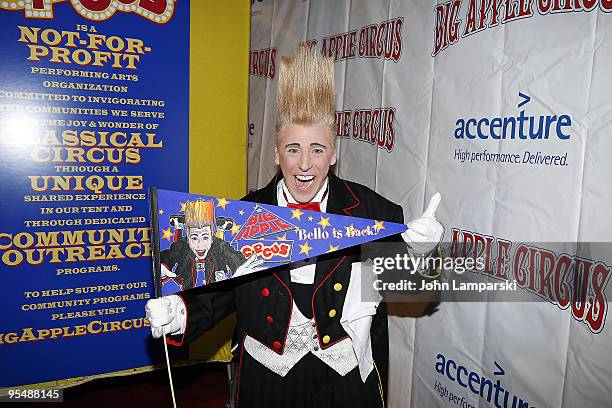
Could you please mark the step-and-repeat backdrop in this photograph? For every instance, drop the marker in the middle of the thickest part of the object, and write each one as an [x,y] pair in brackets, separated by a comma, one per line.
[503,107]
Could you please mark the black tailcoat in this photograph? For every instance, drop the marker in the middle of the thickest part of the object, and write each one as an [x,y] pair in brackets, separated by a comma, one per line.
[263,304]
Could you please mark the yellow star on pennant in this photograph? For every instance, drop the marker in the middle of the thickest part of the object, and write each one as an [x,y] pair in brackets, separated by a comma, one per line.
[161,212]
[296,214]
[378,225]
[167,234]
[241,212]
[324,222]
[182,207]
[282,237]
[304,249]
[235,229]
[332,248]
[310,218]
[222,202]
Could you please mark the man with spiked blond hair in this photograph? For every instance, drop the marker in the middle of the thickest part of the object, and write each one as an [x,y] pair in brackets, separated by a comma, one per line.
[306,92]
[306,337]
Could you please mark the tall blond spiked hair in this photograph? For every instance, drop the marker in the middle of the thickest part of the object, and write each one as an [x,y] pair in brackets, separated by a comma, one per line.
[306,92]
[200,214]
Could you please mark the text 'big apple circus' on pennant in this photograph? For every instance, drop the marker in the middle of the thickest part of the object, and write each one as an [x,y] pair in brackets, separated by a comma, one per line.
[199,240]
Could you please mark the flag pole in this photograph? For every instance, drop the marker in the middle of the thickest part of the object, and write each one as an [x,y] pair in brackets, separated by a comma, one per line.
[157,273]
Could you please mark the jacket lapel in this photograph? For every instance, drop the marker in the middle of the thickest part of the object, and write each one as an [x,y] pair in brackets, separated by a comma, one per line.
[342,201]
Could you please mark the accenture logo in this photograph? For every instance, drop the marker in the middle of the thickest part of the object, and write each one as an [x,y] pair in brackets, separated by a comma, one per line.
[494,390]
[519,127]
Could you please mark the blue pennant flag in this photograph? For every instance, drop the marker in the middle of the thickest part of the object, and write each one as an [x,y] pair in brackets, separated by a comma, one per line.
[199,240]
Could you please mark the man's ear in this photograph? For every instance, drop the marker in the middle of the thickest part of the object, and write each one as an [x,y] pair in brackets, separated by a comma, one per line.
[333,158]
[276,156]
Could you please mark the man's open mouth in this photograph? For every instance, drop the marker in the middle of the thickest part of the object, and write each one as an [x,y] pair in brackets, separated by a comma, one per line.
[303,182]
[201,254]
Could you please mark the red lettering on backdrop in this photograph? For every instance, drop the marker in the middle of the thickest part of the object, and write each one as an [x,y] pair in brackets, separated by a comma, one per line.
[154,6]
[95,5]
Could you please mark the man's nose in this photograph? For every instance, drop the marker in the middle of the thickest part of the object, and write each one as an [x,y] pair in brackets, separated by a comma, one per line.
[305,161]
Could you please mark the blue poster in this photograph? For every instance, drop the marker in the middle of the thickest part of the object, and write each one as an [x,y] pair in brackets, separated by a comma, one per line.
[94,109]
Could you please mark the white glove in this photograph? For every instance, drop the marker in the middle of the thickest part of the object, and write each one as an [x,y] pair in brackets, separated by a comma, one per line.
[425,233]
[167,315]
[166,273]
[252,264]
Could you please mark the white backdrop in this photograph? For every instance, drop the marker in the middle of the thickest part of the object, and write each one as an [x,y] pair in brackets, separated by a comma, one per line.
[548,353]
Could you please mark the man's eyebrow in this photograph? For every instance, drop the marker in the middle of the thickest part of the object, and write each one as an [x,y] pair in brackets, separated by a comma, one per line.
[292,145]
[318,145]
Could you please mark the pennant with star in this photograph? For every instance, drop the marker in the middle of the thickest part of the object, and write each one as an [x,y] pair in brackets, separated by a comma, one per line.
[231,238]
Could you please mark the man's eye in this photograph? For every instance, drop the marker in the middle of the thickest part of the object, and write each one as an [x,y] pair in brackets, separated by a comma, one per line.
[293,150]
[318,151]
